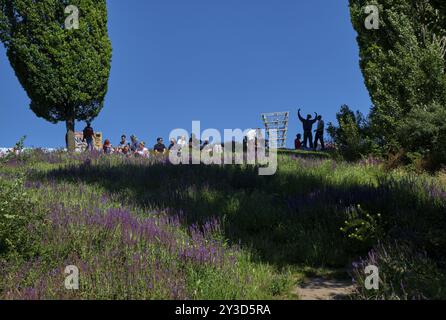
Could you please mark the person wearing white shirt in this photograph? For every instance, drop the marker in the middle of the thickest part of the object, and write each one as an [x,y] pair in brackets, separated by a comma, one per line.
[142,151]
[251,135]
[182,142]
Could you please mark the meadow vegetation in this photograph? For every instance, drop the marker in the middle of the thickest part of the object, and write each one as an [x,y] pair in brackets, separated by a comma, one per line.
[145,229]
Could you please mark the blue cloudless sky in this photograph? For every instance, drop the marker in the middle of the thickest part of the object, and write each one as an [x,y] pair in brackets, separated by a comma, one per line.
[222,62]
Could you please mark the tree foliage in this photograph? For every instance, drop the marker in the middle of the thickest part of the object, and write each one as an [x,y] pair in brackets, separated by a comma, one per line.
[423,132]
[351,136]
[403,62]
[64,72]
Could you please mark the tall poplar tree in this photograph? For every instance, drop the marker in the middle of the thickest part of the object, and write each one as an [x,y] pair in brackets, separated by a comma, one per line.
[403,63]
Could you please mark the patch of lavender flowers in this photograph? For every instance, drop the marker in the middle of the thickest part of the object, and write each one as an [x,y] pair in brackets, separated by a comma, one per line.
[120,254]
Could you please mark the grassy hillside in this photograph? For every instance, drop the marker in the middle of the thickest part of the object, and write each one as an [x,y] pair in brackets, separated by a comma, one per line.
[147,229]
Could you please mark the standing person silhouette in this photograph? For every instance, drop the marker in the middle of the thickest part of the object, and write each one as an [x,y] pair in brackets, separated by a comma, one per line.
[320,133]
[89,136]
[308,128]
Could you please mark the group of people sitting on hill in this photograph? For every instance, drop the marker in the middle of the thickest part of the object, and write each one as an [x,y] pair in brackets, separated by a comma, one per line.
[135,147]
[308,123]
[132,147]
[138,148]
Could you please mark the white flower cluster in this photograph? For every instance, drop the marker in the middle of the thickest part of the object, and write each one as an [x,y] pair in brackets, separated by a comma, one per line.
[6,151]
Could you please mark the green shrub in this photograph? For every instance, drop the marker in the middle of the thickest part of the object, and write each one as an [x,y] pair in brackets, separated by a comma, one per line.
[351,136]
[18,217]
[404,273]
[16,151]
[362,228]
[423,132]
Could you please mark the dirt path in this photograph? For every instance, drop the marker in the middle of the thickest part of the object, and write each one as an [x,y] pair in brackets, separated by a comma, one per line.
[324,289]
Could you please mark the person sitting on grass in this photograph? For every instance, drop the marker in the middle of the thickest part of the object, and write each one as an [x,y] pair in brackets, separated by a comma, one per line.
[298,142]
[205,144]
[126,150]
[182,142]
[194,142]
[134,145]
[159,147]
[123,142]
[107,148]
[173,143]
[218,148]
[142,151]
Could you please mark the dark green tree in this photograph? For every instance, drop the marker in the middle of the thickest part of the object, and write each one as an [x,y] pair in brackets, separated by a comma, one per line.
[403,62]
[423,132]
[351,136]
[63,70]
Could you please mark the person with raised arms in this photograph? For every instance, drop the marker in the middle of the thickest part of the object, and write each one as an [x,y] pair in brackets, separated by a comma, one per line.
[308,128]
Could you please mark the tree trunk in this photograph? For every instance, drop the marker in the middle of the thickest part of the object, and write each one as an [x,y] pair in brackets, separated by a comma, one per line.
[69,138]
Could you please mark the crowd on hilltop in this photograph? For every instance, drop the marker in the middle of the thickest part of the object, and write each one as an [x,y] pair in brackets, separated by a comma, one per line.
[139,148]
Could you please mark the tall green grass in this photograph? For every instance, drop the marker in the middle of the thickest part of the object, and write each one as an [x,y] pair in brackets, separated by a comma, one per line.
[314,213]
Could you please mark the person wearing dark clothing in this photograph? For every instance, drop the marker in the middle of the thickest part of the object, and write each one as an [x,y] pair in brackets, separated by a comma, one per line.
[159,146]
[194,142]
[89,136]
[320,133]
[173,143]
[134,145]
[298,142]
[126,150]
[107,147]
[308,128]
[123,142]
[205,143]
